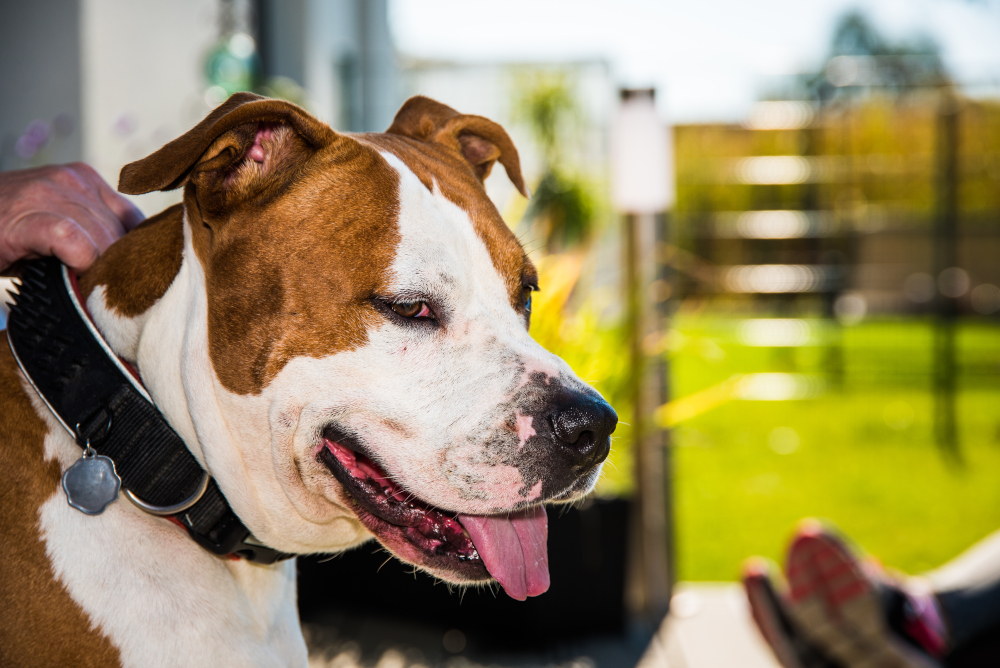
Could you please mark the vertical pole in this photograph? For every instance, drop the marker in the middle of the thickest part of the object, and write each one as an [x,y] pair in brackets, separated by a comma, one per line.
[643,185]
[946,256]
[650,577]
[814,144]
[662,302]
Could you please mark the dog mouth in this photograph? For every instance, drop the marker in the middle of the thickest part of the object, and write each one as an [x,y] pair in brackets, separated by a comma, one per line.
[510,548]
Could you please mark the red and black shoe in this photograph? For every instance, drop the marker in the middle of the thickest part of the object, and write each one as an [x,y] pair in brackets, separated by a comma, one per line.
[840,607]
[765,591]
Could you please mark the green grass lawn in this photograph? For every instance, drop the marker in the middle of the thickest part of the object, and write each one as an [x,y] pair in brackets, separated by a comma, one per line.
[860,454]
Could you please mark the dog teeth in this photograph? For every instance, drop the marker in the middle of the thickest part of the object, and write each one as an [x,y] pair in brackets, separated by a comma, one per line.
[427,527]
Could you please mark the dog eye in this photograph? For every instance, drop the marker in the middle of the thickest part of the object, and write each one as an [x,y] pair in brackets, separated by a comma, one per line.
[526,297]
[411,309]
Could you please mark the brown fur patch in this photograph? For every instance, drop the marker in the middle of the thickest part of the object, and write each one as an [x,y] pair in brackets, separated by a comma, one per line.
[139,267]
[479,140]
[42,625]
[441,165]
[169,167]
[293,248]
[291,271]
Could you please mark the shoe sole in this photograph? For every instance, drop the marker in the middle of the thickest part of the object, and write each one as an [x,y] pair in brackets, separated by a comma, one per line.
[838,607]
[768,616]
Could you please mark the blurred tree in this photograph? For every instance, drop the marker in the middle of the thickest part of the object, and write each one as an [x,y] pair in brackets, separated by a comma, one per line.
[861,60]
[562,207]
[234,63]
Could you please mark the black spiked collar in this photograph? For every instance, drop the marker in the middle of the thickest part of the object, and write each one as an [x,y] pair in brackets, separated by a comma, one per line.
[100,400]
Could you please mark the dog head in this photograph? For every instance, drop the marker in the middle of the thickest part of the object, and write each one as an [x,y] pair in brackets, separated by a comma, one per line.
[351,321]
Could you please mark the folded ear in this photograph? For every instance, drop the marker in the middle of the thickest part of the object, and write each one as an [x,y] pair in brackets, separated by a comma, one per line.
[247,130]
[479,140]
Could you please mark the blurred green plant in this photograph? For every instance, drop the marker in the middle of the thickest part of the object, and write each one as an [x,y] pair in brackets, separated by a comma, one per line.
[563,214]
[563,205]
[546,103]
[234,65]
[563,209]
[283,88]
[591,345]
[860,449]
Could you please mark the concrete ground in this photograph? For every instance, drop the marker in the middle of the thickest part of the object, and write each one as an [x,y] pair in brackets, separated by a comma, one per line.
[709,626]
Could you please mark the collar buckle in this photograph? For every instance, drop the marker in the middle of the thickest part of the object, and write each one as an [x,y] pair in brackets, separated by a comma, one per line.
[163,511]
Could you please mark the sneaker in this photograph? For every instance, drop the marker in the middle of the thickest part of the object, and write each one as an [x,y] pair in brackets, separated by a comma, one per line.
[838,605]
[913,613]
[762,583]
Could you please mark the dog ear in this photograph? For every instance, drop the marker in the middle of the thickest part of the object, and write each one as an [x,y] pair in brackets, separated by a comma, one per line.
[479,140]
[245,137]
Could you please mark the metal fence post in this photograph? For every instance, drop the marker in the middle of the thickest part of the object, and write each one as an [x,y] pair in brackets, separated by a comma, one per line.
[946,257]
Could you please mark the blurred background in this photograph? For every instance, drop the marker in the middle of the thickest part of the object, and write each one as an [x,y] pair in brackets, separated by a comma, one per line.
[805,321]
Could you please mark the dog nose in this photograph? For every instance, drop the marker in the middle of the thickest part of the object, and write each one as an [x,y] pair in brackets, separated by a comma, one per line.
[584,428]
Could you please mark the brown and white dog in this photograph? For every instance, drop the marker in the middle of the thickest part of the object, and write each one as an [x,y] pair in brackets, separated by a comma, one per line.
[337,326]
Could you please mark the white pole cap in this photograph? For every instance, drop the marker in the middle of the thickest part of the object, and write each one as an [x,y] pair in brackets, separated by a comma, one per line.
[642,171]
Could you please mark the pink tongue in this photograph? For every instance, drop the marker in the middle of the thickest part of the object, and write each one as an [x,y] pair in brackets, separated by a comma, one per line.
[514,549]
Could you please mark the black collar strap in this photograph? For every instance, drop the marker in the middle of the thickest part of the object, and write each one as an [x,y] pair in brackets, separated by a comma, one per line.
[99,398]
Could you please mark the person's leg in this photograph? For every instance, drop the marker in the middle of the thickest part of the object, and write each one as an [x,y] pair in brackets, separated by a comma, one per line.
[842,608]
[766,593]
[968,589]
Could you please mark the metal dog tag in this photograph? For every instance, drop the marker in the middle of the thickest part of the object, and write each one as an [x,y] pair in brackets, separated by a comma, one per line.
[91,483]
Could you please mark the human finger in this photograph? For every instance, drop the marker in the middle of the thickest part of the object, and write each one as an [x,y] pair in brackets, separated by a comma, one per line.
[127,213]
[44,233]
[70,191]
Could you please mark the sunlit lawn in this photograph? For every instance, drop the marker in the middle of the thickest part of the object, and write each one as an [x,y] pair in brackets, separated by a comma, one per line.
[864,458]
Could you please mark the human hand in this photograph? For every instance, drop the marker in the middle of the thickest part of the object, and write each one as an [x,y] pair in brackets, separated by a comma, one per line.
[62,210]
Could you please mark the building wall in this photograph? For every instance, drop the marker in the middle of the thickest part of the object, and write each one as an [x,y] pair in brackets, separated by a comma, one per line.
[126,77]
[142,82]
[40,78]
[340,52]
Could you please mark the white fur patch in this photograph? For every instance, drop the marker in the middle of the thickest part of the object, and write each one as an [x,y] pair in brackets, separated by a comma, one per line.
[159,598]
[121,333]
